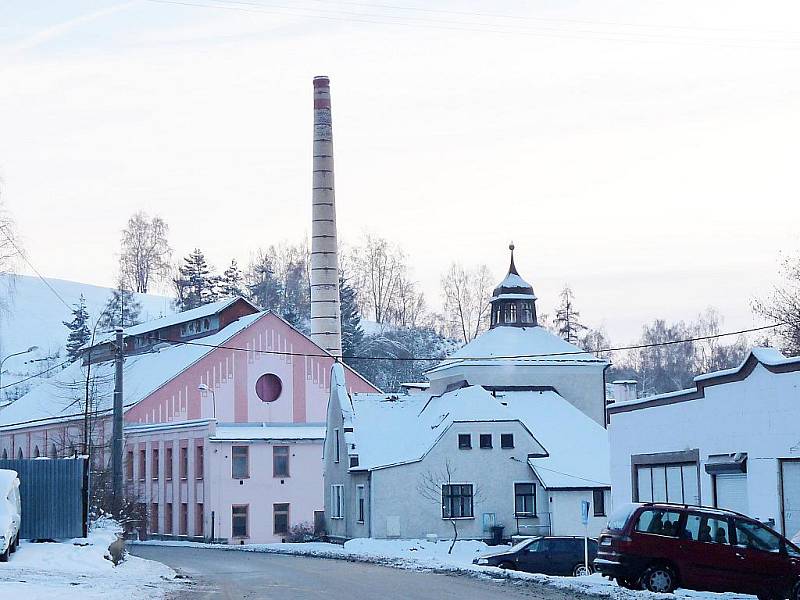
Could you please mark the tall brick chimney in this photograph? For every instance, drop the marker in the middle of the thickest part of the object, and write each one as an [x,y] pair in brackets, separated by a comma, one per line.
[326,327]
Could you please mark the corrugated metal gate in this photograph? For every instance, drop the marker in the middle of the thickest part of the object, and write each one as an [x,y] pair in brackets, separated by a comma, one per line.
[55,496]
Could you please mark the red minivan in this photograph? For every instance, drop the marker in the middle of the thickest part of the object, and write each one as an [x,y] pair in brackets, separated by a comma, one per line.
[660,546]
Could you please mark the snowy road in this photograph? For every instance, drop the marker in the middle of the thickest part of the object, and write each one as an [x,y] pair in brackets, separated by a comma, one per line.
[229,575]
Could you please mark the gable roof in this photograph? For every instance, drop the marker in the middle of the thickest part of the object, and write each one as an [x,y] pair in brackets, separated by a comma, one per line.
[770,358]
[390,430]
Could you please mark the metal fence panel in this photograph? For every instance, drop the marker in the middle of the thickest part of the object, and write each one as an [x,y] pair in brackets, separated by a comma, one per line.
[54,495]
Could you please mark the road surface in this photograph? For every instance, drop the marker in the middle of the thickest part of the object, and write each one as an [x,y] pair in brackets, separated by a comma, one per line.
[232,575]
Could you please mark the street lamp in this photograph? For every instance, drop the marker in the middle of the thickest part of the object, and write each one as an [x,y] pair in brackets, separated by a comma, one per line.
[204,388]
[31,349]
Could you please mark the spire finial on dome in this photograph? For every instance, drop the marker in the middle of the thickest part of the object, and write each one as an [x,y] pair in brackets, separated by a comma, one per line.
[512,268]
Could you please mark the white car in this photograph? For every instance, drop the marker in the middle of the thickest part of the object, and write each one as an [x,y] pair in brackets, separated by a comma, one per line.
[10,513]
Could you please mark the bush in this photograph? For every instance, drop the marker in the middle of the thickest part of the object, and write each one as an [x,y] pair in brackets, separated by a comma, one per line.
[302,532]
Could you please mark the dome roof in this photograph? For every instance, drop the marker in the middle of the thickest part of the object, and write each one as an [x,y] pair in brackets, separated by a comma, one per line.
[513,286]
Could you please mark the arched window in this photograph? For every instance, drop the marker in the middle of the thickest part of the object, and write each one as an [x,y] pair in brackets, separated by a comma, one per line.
[71,449]
[513,312]
[36,452]
[53,451]
[19,454]
[5,454]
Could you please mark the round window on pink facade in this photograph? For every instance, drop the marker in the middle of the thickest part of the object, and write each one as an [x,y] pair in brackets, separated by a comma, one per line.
[269,387]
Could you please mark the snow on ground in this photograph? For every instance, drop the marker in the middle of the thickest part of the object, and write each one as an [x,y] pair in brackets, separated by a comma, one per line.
[433,556]
[77,569]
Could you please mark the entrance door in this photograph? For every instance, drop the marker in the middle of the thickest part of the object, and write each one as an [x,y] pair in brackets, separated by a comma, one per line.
[732,492]
[790,476]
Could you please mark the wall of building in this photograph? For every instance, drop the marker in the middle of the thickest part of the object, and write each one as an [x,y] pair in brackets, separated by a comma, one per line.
[565,508]
[400,510]
[758,415]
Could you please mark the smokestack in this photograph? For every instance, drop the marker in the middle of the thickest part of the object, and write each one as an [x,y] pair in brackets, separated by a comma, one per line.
[326,327]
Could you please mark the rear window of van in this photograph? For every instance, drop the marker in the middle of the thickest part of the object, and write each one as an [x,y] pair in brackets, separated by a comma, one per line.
[620,516]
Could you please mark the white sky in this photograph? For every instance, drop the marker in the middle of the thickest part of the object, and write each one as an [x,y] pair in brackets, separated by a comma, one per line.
[643,151]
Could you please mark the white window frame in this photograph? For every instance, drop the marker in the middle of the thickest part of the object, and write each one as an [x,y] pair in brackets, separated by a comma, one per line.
[337,501]
[535,513]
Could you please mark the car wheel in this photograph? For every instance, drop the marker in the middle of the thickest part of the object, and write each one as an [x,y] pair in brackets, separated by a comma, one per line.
[508,565]
[628,584]
[795,592]
[659,578]
[581,570]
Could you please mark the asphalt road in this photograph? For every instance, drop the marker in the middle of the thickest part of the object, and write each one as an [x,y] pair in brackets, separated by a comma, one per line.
[232,575]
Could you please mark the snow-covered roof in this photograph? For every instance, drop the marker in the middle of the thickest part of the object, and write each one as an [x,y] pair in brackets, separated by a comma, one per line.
[771,358]
[518,345]
[268,431]
[59,398]
[200,312]
[396,429]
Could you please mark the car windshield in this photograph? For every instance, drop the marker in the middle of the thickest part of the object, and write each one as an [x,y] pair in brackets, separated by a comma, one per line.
[620,516]
[520,545]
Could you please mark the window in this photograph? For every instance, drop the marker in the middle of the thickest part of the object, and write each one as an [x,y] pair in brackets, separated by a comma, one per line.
[599,503]
[184,464]
[269,387]
[280,519]
[506,440]
[668,483]
[465,441]
[154,466]
[198,519]
[457,501]
[337,501]
[19,456]
[142,464]
[280,461]
[184,524]
[168,465]
[198,462]
[658,522]
[756,537]
[526,312]
[354,460]
[239,520]
[704,528]
[360,503]
[336,443]
[240,462]
[153,517]
[525,499]
[168,518]
[512,311]
[485,440]
[128,464]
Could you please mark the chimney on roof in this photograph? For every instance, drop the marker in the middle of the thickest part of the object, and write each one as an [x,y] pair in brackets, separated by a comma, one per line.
[326,329]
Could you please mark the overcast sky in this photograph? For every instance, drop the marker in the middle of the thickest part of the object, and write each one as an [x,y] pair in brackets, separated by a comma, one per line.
[645,152]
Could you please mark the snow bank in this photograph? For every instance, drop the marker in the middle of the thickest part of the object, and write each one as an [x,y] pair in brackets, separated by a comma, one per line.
[427,555]
[78,570]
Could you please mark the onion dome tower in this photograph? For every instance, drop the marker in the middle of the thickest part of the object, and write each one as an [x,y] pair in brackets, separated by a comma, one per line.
[513,301]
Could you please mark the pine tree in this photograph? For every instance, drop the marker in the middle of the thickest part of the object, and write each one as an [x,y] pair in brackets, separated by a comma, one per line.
[195,284]
[79,334]
[232,282]
[352,332]
[566,321]
[122,310]
[265,289]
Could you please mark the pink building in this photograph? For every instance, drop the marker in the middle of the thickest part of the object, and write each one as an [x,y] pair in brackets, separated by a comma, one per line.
[224,421]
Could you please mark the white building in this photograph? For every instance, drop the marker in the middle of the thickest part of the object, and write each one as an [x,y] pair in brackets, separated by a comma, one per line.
[732,441]
[510,432]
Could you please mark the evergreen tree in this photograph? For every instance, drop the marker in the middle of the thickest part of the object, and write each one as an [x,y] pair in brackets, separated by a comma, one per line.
[79,334]
[232,282]
[566,321]
[265,289]
[122,310]
[352,332]
[296,307]
[195,284]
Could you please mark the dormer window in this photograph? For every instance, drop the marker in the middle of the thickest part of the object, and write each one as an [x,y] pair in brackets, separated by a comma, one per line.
[527,312]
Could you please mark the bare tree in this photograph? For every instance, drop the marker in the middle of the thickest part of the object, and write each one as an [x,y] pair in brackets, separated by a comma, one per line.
[431,486]
[145,256]
[466,294]
[10,249]
[783,306]
[408,308]
[379,268]
[566,321]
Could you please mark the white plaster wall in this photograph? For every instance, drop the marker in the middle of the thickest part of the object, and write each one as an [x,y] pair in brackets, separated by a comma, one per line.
[759,415]
[566,512]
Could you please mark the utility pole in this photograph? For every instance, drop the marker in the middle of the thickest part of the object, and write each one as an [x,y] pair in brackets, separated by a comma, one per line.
[116,447]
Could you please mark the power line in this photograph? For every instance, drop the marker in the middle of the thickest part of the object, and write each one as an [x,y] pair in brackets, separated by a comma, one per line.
[11,241]
[34,376]
[485,358]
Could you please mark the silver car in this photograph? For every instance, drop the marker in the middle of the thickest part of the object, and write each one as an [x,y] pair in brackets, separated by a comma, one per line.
[10,513]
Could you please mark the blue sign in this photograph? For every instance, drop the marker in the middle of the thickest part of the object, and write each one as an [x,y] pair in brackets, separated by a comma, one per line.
[585,512]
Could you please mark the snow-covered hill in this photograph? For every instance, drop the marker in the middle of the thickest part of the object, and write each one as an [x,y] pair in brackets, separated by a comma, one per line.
[34,316]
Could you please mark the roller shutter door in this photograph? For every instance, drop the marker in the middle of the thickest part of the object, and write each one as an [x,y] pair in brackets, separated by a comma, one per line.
[791,496]
[732,492]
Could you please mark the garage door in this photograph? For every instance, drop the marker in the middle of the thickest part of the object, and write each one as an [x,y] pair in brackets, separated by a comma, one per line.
[732,492]
[790,471]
